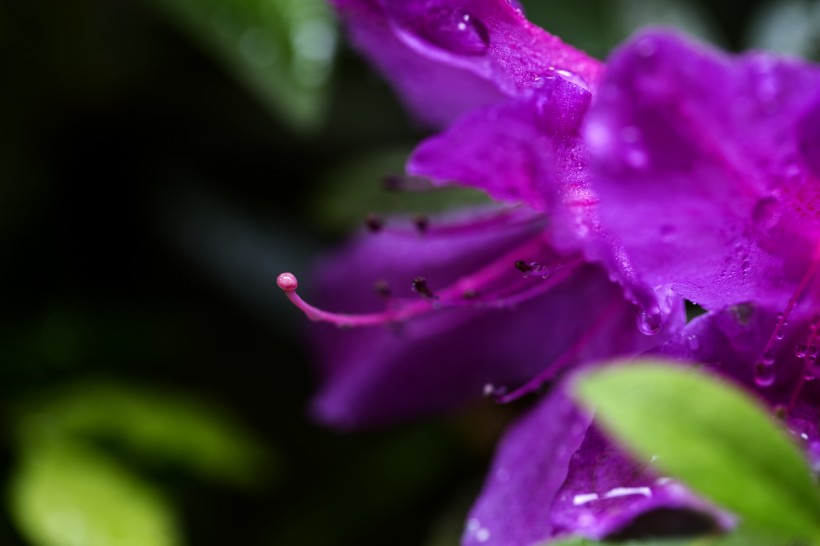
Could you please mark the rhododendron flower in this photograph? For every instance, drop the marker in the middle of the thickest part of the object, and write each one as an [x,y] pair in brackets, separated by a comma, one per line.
[676,172]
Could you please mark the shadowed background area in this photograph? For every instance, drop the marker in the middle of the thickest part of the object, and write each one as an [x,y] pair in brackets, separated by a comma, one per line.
[160,162]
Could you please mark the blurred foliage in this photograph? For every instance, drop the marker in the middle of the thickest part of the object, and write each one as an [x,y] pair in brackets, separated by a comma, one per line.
[160,162]
[281,49]
[67,495]
[161,427]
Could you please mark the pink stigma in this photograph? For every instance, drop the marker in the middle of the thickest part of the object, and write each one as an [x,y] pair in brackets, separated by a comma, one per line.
[287,282]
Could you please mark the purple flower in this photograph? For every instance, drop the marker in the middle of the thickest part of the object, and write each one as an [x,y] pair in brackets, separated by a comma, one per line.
[678,172]
[708,169]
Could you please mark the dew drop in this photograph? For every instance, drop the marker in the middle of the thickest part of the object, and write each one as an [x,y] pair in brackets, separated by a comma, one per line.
[811,351]
[668,232]
[573,78]
[647,47]
[456,30]
[767,358]
[800,350]
[693,342]
[764,375]
[649,323]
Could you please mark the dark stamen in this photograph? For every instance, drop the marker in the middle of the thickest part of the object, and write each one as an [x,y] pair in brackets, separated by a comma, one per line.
[420,286]
[382,288]
[422,223]
[373,223]
[523,266]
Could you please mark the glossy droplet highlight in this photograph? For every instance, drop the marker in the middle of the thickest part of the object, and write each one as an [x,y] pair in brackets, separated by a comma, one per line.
[800,350]
[649,323]
[456,31]
[764,375]
[287,282]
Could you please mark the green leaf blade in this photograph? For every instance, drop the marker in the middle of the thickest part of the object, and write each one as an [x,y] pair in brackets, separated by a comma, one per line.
[711,436]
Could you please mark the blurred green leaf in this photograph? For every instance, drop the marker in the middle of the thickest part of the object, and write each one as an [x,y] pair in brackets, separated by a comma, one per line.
[711,436]
[354,189]
[282,50]
[157,426]
[65,495]
[791,27]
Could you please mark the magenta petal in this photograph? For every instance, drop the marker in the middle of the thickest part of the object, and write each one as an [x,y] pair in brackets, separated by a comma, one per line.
[440,360]
[524,150]
[447,57]
[702,164]
[554,474]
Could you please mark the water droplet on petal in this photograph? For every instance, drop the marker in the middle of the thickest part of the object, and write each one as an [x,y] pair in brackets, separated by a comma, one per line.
[647,47]
[800,350]
[668,232]
[764,374]
[572,77]
[649,323]
[456,30]
[693,342]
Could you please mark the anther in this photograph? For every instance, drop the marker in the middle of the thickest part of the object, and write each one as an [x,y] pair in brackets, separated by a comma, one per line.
[523,266]
[470,294]
[419,285]
[373,223]
[382,288]
[422,223]
[287,282]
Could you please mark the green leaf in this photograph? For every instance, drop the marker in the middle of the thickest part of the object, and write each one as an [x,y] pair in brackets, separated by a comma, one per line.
[354,189]
[791,27]
[65,495]
[161,427]
[710,435]
[282,50]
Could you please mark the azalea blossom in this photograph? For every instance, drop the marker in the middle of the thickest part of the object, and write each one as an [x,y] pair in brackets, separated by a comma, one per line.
[676,172]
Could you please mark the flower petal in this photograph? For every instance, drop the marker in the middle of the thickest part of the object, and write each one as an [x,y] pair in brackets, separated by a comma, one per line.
[447,57]
[555,474]
[525,150]
[440,360]
[698,165]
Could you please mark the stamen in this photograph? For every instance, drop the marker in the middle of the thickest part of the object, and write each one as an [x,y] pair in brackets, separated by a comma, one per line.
[382,288]
[767,356]
[288,283]
[422,223]
[807,352]
[373,223]
[491,287]
[419,285]
[562,361]
[523,266]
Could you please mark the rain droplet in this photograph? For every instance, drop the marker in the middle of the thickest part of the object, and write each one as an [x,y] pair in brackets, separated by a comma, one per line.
[768,358]
[456,30]
[693,342]
[572,77]
[800,350]
[811,351]
[649,323]
[764,375]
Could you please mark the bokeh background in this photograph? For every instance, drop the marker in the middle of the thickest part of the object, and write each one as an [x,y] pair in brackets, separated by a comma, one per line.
[160,162]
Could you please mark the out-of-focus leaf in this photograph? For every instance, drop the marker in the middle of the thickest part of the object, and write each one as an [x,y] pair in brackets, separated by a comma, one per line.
[282,50]
[630,15]
[711,436]
[167,428]
[355,189]
[738,537]
[65,495]
[791,27]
